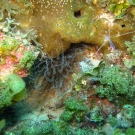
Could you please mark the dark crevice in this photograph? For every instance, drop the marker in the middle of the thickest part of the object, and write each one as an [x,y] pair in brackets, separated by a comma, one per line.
[123,25]
[77,14]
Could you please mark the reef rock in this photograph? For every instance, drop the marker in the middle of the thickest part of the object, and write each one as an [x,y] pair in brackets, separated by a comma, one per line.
[61,22]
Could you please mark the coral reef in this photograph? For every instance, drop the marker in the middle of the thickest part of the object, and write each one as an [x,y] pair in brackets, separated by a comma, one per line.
[17,55]
[92,73]
[16,52]
[50,127]
[54,70]
[59,126]
[65,22]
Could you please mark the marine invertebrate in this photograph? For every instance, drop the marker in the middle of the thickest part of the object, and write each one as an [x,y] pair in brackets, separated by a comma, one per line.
[16,52]
[65,22]
[9,7]
[14,56]
[107,39]
[54,70]
[17,56]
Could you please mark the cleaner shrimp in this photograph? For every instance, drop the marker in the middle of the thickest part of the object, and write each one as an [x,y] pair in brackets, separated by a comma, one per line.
[108,39]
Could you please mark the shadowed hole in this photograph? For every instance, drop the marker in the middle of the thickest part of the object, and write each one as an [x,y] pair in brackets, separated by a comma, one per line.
[77,14]
[123,25]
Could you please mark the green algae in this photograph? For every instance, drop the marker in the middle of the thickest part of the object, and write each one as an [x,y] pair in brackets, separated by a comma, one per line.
[2,124]
[75,110]
[115,83]
[12,89]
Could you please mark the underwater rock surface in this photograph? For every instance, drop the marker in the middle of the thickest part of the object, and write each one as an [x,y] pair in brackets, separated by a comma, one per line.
[60,23]
[85,68]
